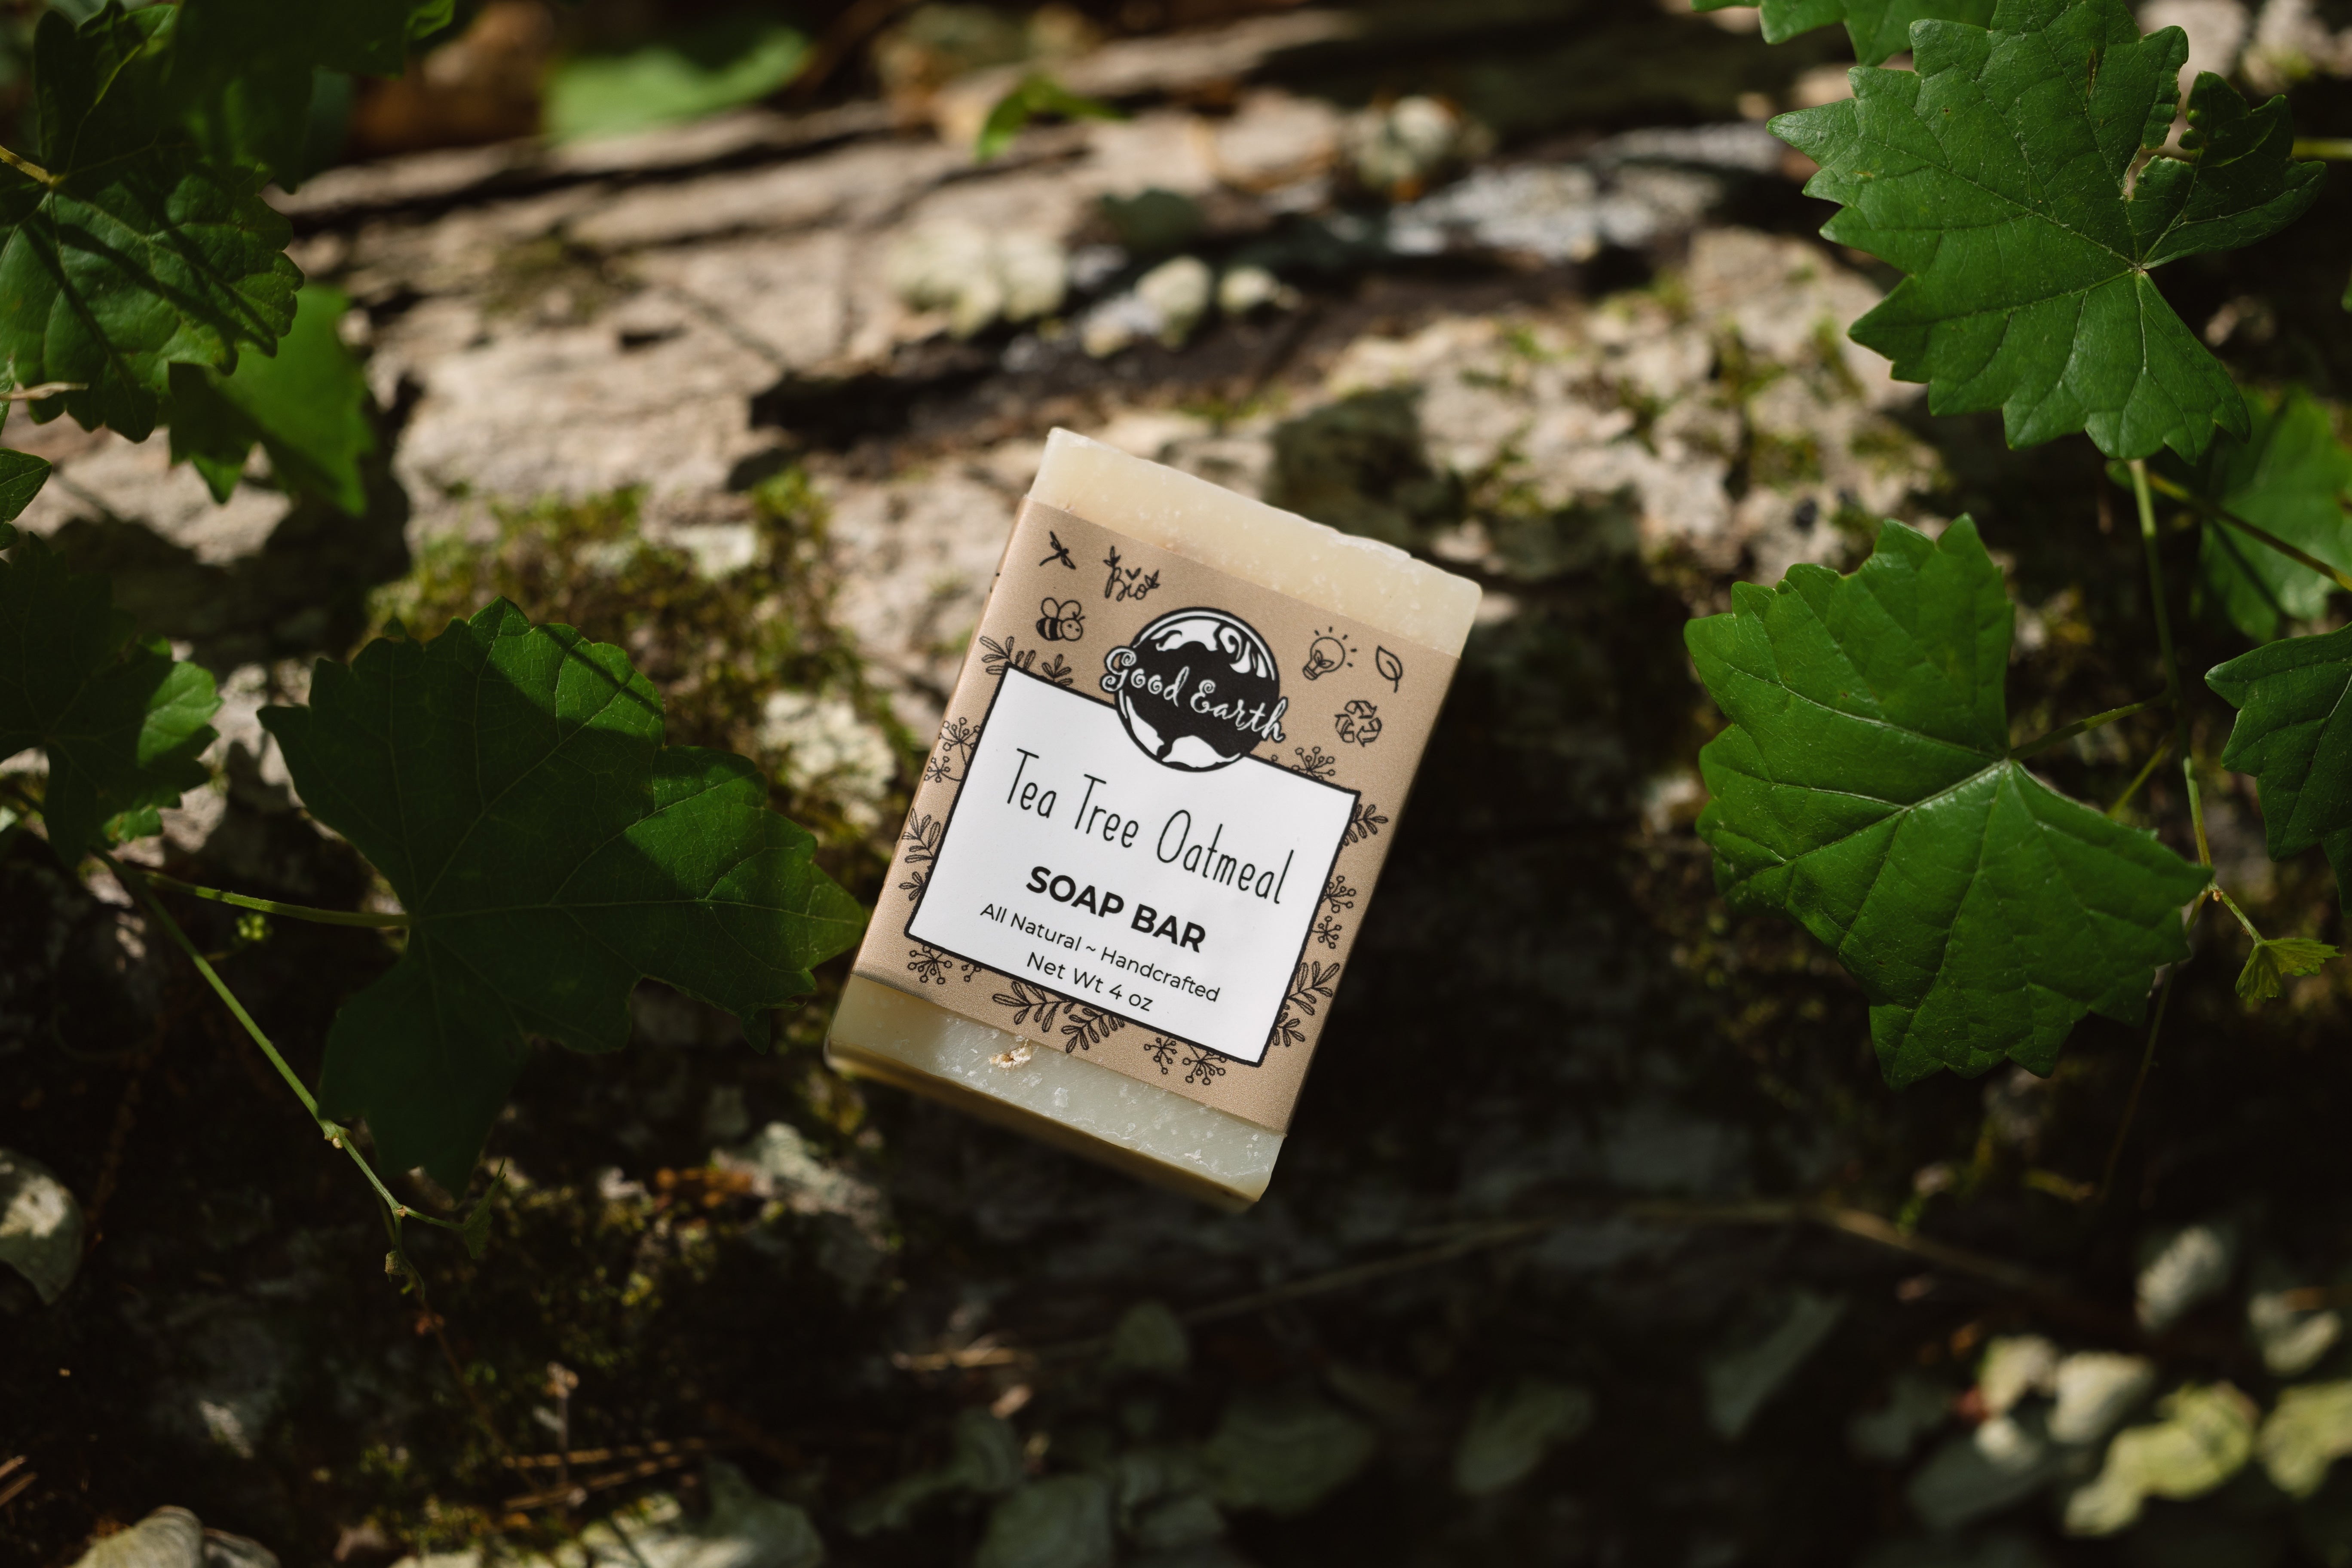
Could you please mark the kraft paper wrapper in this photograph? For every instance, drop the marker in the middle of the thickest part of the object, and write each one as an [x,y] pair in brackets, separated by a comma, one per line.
[1116,604]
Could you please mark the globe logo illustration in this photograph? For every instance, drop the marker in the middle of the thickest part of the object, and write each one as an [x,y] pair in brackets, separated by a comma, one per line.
[1197,690]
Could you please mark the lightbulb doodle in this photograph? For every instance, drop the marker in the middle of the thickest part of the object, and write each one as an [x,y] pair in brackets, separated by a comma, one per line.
[1327,654]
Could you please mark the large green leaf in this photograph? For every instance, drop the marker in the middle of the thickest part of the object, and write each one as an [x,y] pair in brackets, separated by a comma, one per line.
[1865,788]
[140,253]
[243,70]
[510,781]
[2294,734]
[1877,28]
[122,722]
[2289,476]
[307,405]
[2004,176]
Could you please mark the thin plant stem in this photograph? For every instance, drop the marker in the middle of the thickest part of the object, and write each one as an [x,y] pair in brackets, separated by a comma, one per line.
[2149,546]
[27,168]
[2082,727]
[2223,514]
[272,907]
[2139,1082]
[337,1135]
[2155,758]
[2335,149]
[2230,904]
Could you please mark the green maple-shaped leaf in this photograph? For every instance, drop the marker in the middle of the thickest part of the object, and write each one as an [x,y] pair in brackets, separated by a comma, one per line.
[510,781]
[306,405]
[137,251]
[2294,734]
[1877,28]
[2289,476]
[2004,177]
[1865,787]
[243,70]
[122,722]
[2275,958]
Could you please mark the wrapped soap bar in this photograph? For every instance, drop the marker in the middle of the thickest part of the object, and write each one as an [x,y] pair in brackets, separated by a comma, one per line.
[1143,844]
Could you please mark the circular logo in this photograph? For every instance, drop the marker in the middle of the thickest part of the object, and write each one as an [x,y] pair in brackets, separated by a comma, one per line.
[1197,688]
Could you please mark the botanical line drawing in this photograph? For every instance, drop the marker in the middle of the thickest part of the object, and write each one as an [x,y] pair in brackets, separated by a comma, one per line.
[1314,763]
[1202,1065]
[1083,1026]
[996,658]
[1364,822]
[1162,1049]
[1058,671]
[1391,666]
[1339,895]
[923,840]
[928,964]
[1310,981]
[957,736]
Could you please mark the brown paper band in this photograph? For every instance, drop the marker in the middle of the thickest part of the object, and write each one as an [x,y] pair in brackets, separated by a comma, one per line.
[1232,944]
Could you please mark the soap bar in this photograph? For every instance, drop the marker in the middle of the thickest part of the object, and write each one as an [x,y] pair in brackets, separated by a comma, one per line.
[1142,845]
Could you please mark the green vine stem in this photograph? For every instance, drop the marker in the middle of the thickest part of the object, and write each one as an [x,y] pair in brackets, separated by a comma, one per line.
[2139,1083]
[2083,727]
[2227,902]
[2149,546]
[29,169]
[2335,149]
[2155,761]
[272,907]
[2223,514]
[337,1135]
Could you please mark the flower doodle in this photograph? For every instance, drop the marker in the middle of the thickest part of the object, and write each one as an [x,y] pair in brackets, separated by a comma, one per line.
[1061,620]
[1358,722]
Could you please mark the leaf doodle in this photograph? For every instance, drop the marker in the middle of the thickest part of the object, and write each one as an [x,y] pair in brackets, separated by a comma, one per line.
[996,658]
[921,837]
[1089,1026]
[1058,671]
[1311,980]
[1391,666]
[1364,822]
[1032,1004]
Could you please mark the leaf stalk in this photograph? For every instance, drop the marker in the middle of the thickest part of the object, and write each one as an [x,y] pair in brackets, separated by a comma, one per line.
[2150,547]
[2223,514]
[291,911]
[2333,149]
[2034,748]
[29,169]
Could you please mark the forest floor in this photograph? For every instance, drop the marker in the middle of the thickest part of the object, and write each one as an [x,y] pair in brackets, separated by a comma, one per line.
[1598,1237]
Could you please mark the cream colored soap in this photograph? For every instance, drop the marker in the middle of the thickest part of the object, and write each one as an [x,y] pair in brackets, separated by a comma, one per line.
[1140,1127]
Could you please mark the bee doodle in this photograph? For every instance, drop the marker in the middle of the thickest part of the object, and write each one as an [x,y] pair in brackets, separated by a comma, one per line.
[1061,620]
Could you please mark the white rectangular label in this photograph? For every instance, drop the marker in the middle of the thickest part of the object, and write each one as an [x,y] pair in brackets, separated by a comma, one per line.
[1180,899]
